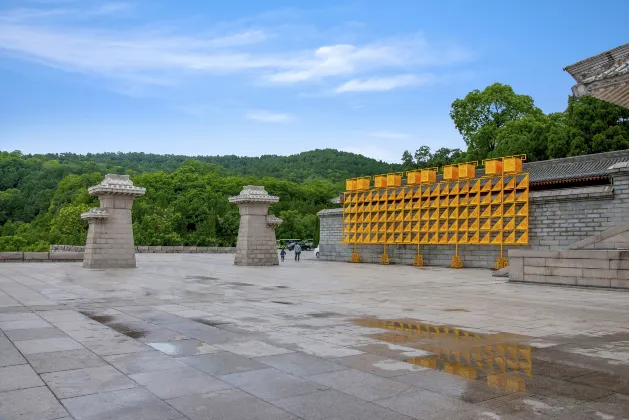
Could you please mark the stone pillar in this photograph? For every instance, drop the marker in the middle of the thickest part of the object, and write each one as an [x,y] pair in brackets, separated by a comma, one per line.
[256,234]
[110,235]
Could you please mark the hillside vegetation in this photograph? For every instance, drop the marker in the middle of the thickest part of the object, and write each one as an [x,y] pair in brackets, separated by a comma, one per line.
[42,196]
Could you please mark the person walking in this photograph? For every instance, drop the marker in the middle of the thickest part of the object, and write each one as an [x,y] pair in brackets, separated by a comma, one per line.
[282,254]
[297,250]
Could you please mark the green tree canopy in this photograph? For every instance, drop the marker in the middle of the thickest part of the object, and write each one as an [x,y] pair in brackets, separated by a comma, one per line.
[480,115]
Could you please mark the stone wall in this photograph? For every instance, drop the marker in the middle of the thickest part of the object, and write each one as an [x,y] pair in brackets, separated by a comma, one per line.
[41,256]
[575,268]
[171,249]
[71,253]
[558,218]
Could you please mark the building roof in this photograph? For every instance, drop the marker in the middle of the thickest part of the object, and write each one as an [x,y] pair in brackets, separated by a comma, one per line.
[572,169]
[604,76]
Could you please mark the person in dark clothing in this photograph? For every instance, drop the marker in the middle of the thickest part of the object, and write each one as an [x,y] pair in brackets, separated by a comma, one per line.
[282,254]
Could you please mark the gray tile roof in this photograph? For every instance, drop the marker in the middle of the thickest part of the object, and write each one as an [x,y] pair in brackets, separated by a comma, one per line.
[604,76]
[572,168]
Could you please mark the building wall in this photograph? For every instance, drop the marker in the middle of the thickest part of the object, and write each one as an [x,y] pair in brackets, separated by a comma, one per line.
[557,219]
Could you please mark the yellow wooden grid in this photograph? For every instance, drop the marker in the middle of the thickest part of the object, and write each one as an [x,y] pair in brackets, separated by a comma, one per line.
[490,210]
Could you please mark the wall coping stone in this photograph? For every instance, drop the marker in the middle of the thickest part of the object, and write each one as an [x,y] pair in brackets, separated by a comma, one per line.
[616,230]
[330,212]
[577,193]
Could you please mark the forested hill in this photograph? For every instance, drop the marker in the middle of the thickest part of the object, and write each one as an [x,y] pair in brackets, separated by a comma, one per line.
[330,164]
[42,196]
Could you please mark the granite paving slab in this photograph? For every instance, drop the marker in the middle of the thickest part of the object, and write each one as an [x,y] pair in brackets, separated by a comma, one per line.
[47,345]
[11,356]
[35,334]
[331,404]
[222,363]
[178,382]
[229,404]
[30,404]
[64,360]
[269,384]
[127,404]
[73,383]
[18,377]
[300,364]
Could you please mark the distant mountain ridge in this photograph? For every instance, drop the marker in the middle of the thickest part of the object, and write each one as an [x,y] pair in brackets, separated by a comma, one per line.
[331,164]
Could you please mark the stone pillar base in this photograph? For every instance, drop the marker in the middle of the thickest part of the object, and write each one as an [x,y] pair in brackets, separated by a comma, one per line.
[256,235]
[110,235]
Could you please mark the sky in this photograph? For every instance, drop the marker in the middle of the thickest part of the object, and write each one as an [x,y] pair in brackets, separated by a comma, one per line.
[198,77]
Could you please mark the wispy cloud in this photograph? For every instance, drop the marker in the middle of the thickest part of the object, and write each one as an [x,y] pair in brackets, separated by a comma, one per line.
[391,135]
[268,116]
[382,84]
[73,38]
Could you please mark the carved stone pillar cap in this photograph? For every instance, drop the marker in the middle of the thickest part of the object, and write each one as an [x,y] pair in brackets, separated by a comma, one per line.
[253,194]
[95,214]
[273,221]
[116,184]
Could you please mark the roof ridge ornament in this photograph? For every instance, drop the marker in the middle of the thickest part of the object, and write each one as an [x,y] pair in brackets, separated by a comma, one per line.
[116,184]
[253,194]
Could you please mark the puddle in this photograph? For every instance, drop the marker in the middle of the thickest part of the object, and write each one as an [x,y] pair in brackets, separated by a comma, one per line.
[209,322]
[324,314]
[502,361]
[103,319]
[282,302]
[237,283]
[201,278]
[455,310]
[127,330]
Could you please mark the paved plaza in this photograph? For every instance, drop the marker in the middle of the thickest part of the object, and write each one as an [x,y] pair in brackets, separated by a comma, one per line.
[191,336]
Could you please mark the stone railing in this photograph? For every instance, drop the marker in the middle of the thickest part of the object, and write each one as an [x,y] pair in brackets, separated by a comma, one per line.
[71,253]
[170,249]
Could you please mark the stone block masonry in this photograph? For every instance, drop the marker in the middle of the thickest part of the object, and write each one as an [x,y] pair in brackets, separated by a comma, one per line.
[76,253]
[575,268]
[558,218]
[256,235]
[110,236]
[157,249]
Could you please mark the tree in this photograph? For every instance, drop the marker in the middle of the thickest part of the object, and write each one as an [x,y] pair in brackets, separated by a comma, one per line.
[422,157]
[527,135]
[67,227]
[317,233]
[596,126]
[407,160]
[480,115]
[442,156]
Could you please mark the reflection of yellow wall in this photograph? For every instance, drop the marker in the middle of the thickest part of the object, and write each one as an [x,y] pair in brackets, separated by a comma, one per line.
[506,364]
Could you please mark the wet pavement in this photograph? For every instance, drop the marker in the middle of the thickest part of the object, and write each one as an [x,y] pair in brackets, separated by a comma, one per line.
[194,337]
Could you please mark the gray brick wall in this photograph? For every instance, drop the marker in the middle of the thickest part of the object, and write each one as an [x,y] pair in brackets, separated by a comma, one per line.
[558,218]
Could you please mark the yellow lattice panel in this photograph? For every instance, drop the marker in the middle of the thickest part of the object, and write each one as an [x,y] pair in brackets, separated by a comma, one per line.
[462,209]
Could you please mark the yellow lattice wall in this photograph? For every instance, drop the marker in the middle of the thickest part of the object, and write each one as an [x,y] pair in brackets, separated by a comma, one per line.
[490,210]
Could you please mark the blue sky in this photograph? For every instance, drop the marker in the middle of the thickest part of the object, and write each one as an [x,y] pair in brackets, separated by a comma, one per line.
[277,77]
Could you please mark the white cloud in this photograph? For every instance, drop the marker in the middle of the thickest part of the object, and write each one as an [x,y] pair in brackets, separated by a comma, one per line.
[388,135]
[73,38]
[268,116]
[382,84]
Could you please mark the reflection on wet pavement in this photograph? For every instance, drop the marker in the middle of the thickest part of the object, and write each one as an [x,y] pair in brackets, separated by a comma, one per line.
[464,352]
